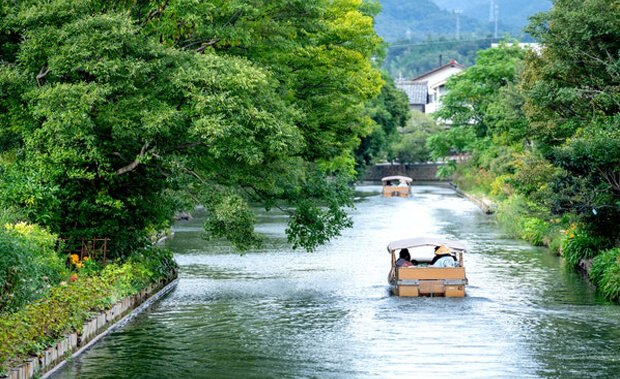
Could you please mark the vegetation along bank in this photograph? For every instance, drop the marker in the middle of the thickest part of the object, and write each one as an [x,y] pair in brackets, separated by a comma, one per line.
[541,133]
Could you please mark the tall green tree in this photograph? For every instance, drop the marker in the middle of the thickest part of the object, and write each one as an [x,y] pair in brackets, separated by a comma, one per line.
[117,113]
[389,112]
[572,102]
[483,111]
[411,146]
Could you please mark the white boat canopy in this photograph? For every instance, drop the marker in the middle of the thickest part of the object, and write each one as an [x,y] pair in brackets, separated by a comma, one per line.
[397,177]
[425,241]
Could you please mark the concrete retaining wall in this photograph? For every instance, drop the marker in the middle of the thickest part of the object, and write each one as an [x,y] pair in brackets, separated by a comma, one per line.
[93,329]
[425,172]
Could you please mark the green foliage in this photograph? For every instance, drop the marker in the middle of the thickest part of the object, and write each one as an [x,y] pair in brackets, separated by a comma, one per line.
[115,114]
[471,93]
[581,244]
[410,57]
[412,147]
[29,264]
[315,223]
[533,174]
[65,307]
[526,220]
[451,141]
[510,213]
[534,230]
[389,111]
[575,79]
[605,273]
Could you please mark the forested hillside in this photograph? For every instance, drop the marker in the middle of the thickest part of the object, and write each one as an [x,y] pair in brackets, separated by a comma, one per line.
[419,19]
[407,59]
[511,12]
[420,31]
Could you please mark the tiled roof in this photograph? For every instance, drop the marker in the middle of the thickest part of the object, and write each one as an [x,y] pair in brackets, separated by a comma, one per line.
[417,92]
[452,63]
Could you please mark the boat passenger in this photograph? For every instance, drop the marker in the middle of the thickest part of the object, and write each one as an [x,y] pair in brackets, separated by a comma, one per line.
[444,257]
[402,183]
[404,258]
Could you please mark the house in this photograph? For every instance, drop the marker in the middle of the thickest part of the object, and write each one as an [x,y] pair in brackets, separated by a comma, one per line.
[431,84]
[417,92]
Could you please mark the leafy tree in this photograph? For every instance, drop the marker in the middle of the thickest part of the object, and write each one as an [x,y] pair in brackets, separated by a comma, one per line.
[390,112]
[412,147]
[572,102]
[472,93]
[117,113]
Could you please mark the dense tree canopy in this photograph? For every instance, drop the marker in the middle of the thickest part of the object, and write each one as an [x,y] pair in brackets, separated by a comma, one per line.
[114,114]
[389,111]
[544,125]
[572,101]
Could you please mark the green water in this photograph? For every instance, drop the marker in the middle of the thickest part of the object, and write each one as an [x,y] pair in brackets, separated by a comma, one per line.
[279,313]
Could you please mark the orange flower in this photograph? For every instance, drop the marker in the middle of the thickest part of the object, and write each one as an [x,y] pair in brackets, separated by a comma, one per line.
[75,258]
[86,259]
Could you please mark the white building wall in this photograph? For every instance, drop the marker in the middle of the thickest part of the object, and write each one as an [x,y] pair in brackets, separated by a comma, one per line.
[436,86]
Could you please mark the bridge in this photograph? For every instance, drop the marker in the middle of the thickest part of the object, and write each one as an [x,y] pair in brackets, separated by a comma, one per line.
[422,172]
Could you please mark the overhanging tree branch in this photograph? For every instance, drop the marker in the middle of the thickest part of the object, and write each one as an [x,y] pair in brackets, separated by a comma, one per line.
[44,71]
[135,163]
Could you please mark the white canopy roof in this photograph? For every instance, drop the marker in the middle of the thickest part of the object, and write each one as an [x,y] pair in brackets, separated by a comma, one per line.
[397,177]
[425,241]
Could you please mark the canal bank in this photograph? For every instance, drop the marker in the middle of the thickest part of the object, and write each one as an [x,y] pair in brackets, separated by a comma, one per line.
[560,235]
[72,345]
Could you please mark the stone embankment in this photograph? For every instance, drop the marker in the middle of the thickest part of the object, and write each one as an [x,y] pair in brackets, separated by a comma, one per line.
[74,344]
[486,206]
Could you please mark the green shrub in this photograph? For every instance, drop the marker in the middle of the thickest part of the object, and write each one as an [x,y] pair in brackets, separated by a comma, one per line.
[605,273]
[579,244]
[509,214]
[29,264]
[65,307]
[534,230]
[39,324]
[159,262]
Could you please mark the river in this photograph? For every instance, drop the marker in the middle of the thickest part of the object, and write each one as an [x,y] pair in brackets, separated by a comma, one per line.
[280,313]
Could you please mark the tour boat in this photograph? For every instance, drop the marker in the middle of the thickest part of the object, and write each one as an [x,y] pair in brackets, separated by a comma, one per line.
[423,278]
[396,186]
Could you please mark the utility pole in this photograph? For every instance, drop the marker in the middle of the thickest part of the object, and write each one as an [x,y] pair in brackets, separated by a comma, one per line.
[491,9]
[458,22]
[496,18]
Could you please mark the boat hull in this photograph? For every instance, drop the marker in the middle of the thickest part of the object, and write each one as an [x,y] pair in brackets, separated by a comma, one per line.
[429,281]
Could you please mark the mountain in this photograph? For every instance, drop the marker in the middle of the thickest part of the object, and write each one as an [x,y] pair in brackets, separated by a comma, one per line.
[422,33]
[510,12]
[419,19]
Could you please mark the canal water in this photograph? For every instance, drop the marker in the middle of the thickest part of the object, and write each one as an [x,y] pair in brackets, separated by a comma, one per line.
[280,313]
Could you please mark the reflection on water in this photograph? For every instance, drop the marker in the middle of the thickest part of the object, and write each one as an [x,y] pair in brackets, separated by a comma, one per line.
[279,313]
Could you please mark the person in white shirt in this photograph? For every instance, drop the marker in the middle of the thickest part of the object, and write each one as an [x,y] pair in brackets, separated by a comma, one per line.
[444,257]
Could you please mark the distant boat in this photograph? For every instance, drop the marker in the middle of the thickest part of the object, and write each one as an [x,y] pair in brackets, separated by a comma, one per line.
[424,277]
[396,186]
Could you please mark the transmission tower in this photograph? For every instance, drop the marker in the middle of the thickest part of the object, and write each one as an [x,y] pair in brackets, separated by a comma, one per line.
[458,22]
[496,18]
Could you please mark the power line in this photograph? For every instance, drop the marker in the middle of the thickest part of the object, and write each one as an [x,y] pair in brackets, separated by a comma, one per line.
[442,42]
